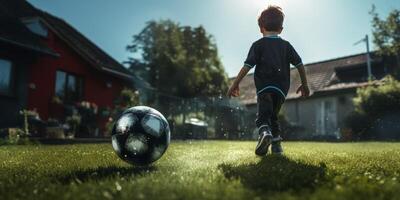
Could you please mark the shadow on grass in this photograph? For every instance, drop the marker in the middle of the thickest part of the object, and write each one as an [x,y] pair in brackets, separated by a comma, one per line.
[105,172]
[276,173]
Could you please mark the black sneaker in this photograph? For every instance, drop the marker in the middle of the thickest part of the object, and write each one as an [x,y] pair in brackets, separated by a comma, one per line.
[264,140]
[276,147]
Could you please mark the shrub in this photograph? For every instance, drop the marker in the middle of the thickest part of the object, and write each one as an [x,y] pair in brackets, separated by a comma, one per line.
[74,122]
[14,136]
[358,124]
[371,103]
[85,118]
[128,98]
[290,131]
[378,100]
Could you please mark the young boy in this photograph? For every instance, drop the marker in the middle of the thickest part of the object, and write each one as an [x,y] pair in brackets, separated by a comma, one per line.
[271,56]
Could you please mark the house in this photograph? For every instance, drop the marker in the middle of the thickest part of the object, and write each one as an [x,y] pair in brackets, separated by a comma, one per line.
[333,84]
[45,61]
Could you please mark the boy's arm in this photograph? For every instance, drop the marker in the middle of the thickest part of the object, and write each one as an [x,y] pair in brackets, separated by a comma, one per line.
[234,89]
[305,91]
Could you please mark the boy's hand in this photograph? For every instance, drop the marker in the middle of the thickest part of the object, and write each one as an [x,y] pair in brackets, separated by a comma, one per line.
[305,91]
[233,91]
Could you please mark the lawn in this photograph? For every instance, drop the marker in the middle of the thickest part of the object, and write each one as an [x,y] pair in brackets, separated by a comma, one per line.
[203,170]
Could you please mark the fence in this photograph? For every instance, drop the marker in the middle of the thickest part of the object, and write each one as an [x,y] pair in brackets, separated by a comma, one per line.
[202,117]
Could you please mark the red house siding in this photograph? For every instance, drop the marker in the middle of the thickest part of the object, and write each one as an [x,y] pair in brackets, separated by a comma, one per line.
[42,75]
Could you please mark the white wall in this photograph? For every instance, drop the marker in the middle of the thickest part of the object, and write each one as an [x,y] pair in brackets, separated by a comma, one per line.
[305,113]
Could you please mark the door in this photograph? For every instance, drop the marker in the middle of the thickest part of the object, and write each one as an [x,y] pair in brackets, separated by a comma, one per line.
[326,117]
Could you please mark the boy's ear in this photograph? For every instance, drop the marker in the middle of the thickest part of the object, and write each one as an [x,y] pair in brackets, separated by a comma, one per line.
[281,30]
[262,30]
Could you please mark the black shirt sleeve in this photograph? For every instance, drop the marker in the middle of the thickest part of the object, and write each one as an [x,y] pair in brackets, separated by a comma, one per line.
[251,58]
[294,57]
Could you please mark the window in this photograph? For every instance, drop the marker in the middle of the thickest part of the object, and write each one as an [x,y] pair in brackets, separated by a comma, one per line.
[68,87]
[5,77]
[36,26]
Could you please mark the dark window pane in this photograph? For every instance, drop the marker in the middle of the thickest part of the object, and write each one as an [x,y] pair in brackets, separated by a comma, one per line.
[80,88]
[36,26]
[5,76]
[69,87]
[72,89]
[61,80]
[71,83]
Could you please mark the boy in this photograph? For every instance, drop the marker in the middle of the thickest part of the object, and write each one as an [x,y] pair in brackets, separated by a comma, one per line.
[271,56]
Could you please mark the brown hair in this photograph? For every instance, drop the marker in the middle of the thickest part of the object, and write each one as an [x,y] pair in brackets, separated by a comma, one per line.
[271,18]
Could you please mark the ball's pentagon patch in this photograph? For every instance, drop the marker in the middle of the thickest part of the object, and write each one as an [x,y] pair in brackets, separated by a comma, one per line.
[141,135]
[152,125]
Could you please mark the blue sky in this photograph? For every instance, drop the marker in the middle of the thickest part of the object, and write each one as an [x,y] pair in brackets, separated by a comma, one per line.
[318,29]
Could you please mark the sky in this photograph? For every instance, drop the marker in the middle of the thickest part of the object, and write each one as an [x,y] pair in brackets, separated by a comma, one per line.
[318,29]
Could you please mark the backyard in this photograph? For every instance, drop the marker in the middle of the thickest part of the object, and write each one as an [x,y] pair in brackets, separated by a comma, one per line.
[203,170]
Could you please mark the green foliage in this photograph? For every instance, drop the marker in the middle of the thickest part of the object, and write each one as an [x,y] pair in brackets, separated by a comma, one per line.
[128,98]
[371,103]
[14,136]
[74,122]
[85,120]
[359,124]
[375,100]
[11,135]
[203,170]
[387,34]
[179,60]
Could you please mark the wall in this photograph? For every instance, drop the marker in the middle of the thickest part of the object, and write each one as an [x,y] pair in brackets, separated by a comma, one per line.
[10,106]
[345,108]
[303,112]
[42,74]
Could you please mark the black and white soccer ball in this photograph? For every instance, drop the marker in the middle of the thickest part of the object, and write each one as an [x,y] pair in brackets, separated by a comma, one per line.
[141,135]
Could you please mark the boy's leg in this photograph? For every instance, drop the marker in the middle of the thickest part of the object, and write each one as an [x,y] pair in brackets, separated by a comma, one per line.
[275,126]
[263,122]
[265,109]
[277,105]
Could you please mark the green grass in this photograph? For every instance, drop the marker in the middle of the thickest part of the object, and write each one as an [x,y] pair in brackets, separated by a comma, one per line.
[203,170]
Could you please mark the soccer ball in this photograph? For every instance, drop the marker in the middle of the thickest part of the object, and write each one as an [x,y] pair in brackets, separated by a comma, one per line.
[141,135]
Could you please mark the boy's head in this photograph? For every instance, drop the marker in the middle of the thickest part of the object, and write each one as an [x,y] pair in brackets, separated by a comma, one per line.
[271,19]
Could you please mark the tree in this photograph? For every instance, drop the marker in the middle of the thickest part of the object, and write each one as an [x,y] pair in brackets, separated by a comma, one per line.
[387,34]
[179,60]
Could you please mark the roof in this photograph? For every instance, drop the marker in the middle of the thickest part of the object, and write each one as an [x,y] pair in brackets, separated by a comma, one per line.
[86,48]
[322,74]
[352,85]
[72,37]
[247,90]
[13,32]
[322,77]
